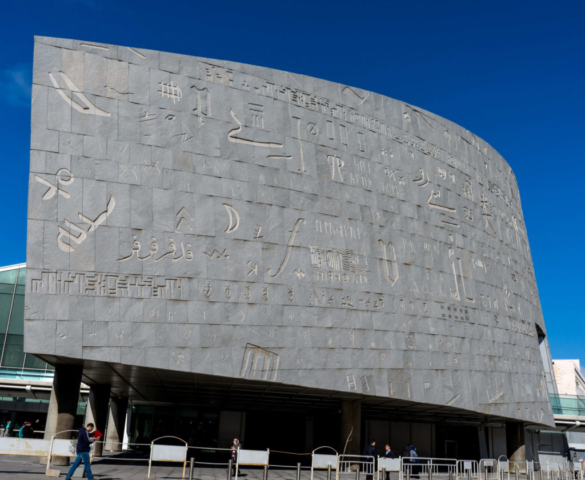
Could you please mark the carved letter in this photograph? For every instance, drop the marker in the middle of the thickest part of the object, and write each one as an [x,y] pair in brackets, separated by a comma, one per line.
[291,239]
[231,226]
[390,280]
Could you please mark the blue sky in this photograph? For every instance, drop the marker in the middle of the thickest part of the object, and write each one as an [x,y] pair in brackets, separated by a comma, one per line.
[511,72]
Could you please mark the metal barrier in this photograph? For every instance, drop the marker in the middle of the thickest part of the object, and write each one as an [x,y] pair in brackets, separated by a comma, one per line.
[387,465]
[503,467]
[252,458]
[168,453]
[353,463]
[467,468]
[427,465]
[211,450]
[488,467]
[60,447]
[323,461]
[24,446]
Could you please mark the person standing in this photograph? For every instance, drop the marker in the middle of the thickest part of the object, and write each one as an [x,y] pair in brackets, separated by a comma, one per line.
[414,459]
[27,431]
[370,451]
[388,453]
[235,450]
[21,430]
[84,442]
[8,429]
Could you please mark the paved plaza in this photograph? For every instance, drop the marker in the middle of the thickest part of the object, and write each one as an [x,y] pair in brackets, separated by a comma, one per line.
[27,468]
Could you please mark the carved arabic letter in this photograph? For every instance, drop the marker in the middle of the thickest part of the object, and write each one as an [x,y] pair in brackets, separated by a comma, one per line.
[232,136]
[189,254]
[291,240]
[171,253]
[395,273]
[153,250]
[89,108]
[135,249]
[64,233]
[231,226]
[182,255]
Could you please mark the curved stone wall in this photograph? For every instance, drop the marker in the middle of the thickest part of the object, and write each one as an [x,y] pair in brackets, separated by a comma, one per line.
[213,217]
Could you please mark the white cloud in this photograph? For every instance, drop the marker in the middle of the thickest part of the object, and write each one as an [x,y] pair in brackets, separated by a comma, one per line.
[15,84]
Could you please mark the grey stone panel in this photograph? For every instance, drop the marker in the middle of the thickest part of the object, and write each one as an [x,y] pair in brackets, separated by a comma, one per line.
[212,217]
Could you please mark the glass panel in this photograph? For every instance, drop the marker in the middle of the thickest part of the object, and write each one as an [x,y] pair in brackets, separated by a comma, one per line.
[33,362]
[7,280]
[17,318]
[2,336]
[13,353]
[22,276]
[5,303]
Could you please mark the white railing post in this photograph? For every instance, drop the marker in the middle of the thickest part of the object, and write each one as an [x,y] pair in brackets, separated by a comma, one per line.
[150,459]
[49,458]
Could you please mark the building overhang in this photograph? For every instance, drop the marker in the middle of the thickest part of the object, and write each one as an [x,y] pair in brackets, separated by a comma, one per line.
[145,385]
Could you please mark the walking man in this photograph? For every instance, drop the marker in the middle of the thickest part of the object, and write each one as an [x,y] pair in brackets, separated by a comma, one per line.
[84,442]
[370,451]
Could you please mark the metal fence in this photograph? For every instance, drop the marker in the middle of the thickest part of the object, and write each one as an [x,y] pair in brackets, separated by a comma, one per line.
[162,450]
[354,464]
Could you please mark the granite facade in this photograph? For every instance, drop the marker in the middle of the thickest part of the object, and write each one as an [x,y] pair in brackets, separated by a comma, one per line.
[214,217]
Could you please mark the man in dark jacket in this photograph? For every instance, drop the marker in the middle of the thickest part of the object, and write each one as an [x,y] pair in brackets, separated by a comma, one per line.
[84,442]
[370,451]
[27,431]
[388,453]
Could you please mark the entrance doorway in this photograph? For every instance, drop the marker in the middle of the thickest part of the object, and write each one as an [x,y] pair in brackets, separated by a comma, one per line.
[451,449]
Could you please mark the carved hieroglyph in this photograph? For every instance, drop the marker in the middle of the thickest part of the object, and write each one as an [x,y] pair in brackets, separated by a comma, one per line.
[391,240]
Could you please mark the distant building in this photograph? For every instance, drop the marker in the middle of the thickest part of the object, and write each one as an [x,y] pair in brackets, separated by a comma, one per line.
[569,404]
[25,381]
[568,376]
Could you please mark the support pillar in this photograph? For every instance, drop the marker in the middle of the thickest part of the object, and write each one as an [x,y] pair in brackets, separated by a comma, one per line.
[351,423]
[63,404]
[515,441]
[97,412]
[116,424]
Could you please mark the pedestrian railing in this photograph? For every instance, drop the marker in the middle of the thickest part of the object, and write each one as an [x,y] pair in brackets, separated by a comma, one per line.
[356,464]
[60,447]
[387,466]
[468,469]
[168,453]
[24,446]
[253,458]
[209,450]
[488,469]
[412,466]
[324,461]
[322,458]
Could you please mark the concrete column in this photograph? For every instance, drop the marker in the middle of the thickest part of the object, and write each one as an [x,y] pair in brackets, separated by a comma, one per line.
[97,412]
[116,423]
[515,442]
[351,427]
[63,404]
